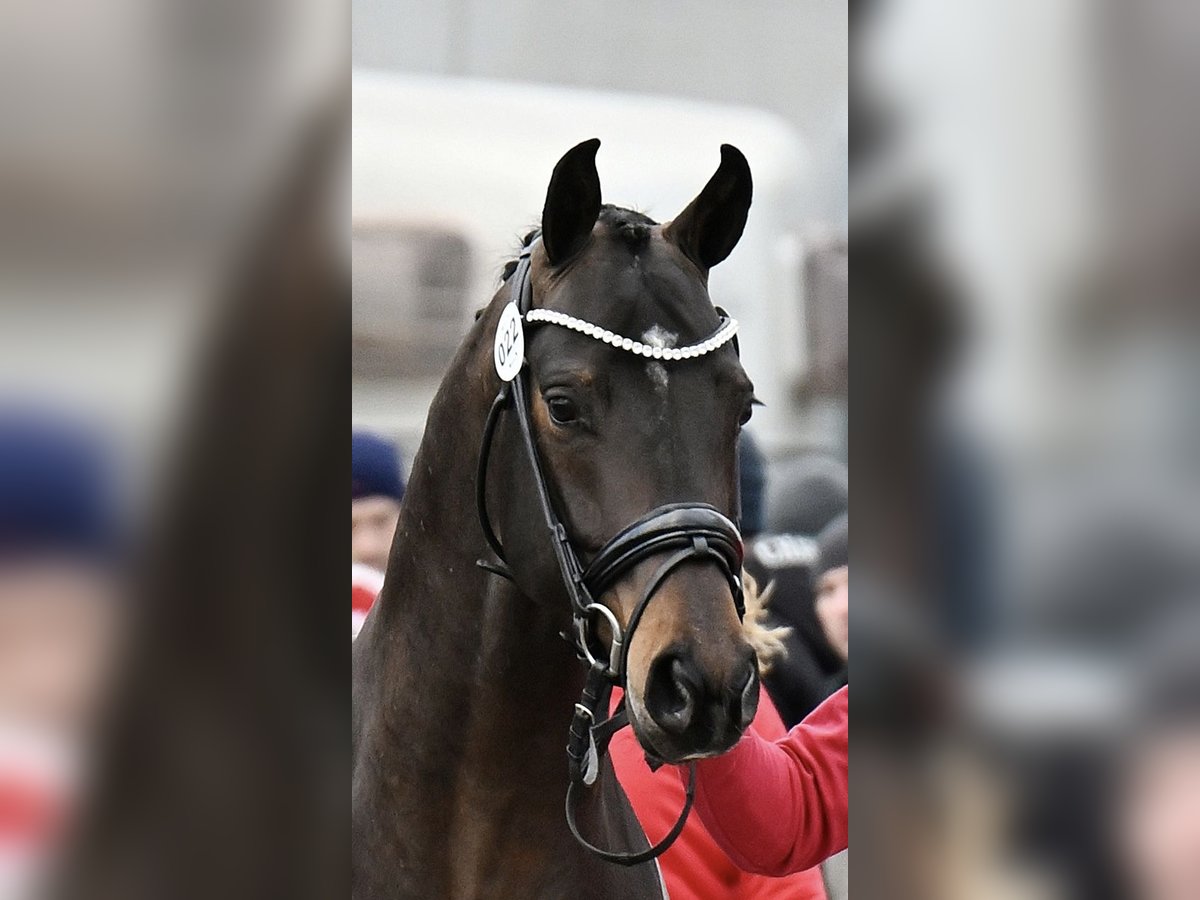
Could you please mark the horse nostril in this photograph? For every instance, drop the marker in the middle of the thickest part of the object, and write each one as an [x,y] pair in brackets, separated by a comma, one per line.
[671,693]
[745,697]
[743,682]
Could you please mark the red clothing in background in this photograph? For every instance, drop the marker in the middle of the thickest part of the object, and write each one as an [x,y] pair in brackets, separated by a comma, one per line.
[781,807]
[695,868]
[365,584]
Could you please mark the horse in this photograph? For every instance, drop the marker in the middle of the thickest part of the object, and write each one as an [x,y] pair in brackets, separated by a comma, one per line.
[550,432]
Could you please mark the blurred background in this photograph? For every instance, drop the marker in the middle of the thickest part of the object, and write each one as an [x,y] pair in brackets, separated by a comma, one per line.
[175,183]
[172,246]
[461,110]
[1024,444]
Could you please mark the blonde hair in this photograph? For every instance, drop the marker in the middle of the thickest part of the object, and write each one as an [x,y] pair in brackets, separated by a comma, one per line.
[767,641]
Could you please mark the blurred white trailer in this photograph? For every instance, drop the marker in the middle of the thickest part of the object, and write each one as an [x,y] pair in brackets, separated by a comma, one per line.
[447,174]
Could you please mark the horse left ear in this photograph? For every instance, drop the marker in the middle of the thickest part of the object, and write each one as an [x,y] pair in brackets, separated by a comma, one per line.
[572,203]
[710,227]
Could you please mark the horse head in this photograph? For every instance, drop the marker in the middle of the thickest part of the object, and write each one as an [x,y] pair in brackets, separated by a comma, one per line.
[620,434]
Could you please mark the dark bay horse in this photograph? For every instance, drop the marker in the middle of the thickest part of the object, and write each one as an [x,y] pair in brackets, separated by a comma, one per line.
[463,684]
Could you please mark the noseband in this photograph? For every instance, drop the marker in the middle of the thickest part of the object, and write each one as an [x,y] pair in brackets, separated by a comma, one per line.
[678,532]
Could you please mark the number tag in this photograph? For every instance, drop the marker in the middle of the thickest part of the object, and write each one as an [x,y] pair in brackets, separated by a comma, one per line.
[509,349]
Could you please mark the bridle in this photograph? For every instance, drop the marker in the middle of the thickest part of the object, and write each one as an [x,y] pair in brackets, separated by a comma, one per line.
[681,532]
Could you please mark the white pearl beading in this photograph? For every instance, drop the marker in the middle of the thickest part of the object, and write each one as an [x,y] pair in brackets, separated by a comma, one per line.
[720,337]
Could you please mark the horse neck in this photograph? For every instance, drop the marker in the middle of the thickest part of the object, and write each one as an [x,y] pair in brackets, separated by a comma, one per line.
[460,654]
[463,697]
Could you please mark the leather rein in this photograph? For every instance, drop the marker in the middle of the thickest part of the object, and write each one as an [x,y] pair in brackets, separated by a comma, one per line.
[679,532]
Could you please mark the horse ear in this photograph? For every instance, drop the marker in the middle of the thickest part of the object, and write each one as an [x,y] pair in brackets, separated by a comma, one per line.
[710,227]
[572,202]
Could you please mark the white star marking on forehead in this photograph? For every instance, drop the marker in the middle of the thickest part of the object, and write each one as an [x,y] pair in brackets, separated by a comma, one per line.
[659,337]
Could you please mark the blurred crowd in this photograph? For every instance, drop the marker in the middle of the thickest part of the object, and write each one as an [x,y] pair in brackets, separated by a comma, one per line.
[1023,442]
[61,614]
[376,489]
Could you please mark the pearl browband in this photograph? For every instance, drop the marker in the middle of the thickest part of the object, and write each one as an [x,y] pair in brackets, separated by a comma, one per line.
[723,335]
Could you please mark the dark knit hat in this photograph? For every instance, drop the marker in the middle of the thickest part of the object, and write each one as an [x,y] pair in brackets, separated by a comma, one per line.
[833,545]
[806,493]
[375,467]
[57,490]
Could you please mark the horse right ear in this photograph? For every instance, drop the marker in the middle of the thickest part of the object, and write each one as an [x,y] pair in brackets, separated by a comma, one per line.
[572,202]
[710,227]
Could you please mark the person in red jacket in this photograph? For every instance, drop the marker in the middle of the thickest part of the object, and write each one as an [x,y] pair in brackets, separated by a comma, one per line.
[773,808]
[695,868]
[781,807]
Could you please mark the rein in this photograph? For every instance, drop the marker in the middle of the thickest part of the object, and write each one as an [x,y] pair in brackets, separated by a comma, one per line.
[685,531]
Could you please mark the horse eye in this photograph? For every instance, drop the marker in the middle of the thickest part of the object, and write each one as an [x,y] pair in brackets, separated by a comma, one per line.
[748,410]
[562,410]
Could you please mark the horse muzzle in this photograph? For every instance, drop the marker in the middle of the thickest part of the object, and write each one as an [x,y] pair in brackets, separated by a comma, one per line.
[683,715]
[690,693]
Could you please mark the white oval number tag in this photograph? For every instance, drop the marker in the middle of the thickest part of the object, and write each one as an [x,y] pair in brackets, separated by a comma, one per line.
[509,350]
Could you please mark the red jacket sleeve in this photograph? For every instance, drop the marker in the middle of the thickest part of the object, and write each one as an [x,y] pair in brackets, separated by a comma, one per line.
[778,808]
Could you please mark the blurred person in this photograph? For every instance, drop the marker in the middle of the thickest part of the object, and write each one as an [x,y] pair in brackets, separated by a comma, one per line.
[695,867]
[775,806]
[377,487]
[1105,569]
[752,480]
[780,807]
[1158,820]
[221,766]
[832,605]
[809,493]
[806,493]
[58,623]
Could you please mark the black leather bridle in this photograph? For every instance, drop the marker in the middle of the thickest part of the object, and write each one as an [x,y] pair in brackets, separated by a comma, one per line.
[679,532]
